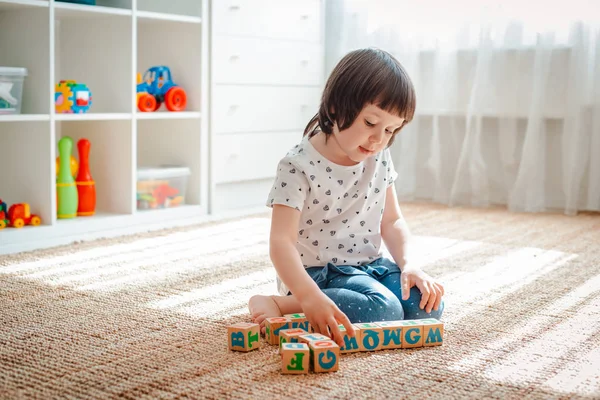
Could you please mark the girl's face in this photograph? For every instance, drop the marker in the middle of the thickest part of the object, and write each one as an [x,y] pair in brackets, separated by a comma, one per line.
[368,135]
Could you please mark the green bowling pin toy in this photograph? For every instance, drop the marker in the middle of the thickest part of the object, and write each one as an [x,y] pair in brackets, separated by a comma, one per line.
[66,189]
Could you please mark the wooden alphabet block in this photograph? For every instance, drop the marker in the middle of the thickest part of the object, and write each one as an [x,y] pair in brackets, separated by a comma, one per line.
[392,334]
[295,358]
[289,336]
[273,326]
[371,336]
[433,332]
[243,336]
[299,321]
[309,337]
[324,355]
[412,333]
[351,344]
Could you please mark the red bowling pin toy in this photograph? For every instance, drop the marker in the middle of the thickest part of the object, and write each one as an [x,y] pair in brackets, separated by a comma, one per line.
[86,187]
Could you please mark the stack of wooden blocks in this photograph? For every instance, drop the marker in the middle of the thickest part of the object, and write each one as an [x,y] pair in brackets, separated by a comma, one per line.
[302,350]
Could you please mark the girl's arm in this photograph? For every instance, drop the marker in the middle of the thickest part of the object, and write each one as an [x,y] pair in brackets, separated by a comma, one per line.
[396,236]
[321,312]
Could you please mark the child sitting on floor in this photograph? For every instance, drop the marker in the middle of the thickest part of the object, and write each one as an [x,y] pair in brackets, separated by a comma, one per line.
[334,206]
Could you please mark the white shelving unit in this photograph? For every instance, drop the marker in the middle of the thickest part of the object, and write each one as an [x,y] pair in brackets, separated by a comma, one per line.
[103,46]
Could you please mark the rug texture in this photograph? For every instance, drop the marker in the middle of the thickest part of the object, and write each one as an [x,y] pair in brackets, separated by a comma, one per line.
[145,316]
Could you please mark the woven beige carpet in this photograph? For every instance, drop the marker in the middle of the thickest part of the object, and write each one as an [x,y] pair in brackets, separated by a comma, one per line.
[144,316]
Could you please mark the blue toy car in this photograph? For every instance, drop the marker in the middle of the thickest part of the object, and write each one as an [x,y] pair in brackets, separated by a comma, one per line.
[156,88]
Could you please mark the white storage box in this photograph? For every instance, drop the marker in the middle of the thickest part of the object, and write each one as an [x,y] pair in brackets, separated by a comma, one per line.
[161,187]
[11,89]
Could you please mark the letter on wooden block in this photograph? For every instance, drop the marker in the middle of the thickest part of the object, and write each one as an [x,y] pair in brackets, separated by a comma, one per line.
[371,336]
[351,344]
[243,336]
[412,333]
[299,321]
[290,336]
[433,332]
[273,326]
[324,355]
[392,334]
[295,358]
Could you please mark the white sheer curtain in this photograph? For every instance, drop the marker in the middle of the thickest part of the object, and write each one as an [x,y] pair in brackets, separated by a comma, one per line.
[508,97]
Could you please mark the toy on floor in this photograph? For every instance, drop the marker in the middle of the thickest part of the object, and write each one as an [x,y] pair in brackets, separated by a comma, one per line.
[67,198]
[157,87]
[86,187]
[302,350]
[72,97]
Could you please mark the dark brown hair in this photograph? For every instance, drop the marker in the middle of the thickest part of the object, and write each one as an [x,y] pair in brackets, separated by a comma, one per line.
[362,77]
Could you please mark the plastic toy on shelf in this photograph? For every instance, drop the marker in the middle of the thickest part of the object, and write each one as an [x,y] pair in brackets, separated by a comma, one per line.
[157,87]
[66,190]
[72,97]
[20,215]
[3,215]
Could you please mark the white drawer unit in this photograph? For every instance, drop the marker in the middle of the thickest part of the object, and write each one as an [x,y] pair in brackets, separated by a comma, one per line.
[267,75]
[250,156]
[277,19]
[256,109]
[266,62]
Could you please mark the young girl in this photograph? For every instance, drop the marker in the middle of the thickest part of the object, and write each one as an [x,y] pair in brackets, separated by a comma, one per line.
[334,206]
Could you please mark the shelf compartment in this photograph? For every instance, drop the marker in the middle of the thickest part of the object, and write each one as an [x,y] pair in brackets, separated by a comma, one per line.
[110,158]
[25,162]
[172,142]
[6,5]
[28,27]
[105,68]
[72,10]
[179,59]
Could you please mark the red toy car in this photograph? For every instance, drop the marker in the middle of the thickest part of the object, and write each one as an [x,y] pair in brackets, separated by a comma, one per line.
[19,215]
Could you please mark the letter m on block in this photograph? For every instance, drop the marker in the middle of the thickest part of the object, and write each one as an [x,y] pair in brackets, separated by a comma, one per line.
[433,336]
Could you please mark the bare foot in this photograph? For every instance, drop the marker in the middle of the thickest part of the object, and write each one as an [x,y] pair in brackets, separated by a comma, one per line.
[262,307]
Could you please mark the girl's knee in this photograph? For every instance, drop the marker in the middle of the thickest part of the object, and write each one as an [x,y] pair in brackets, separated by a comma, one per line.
[412,310]
[383,308]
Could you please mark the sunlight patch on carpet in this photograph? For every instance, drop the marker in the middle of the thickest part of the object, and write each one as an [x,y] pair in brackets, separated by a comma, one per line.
[579,376]
[499,278]
[227,289]
[552,338]
[125,252]
[532,361]
[138,278]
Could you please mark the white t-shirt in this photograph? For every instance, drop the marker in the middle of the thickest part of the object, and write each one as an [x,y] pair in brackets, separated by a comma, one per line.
[341,206]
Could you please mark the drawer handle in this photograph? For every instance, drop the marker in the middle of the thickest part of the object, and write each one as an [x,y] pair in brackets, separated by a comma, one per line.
[234,58]
[233,108]
[234,7]
[304,62]
[304,17]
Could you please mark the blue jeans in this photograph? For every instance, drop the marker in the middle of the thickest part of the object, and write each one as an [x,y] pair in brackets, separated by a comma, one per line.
[370,293]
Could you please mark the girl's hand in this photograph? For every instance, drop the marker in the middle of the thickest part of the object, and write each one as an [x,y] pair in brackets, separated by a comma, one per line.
[431,291]
[324,316]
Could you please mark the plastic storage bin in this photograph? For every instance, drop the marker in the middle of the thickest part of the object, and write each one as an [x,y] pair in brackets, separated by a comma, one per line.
[161,187]
[11,89]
